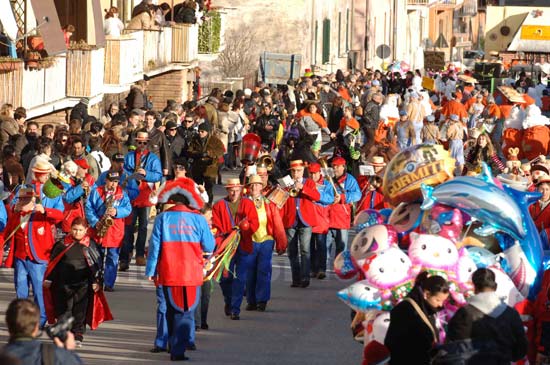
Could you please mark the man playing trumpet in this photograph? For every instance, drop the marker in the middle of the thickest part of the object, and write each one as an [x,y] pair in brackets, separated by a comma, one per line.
[108,203]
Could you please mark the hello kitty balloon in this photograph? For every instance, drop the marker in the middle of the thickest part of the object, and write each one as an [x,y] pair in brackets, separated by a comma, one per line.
[389,271]
[435,254]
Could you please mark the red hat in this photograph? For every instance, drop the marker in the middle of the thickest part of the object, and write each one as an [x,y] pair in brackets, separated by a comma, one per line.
[82,163]
[296,164]
[338,161]
[314,167]
[182,186]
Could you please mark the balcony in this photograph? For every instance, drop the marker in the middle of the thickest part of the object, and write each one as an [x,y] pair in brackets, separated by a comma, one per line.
[419,2]
[85,70]
[185,43]
[123,60]
[444,4]
[157,48]
[46,85]
[11,78]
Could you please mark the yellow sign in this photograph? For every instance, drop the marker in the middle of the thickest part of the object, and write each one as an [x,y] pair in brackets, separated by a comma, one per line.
[535,32]
[428,83]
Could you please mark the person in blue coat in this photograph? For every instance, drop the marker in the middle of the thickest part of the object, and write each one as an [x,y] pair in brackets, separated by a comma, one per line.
[128,184]
[180,236]
[108,200]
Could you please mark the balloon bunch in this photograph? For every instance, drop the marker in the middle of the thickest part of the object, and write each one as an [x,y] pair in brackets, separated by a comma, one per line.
[460,224]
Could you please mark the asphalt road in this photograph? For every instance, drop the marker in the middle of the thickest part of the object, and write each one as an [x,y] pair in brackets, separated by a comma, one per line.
[300,326]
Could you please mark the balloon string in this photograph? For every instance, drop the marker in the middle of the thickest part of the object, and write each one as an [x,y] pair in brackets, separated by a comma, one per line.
[467,231]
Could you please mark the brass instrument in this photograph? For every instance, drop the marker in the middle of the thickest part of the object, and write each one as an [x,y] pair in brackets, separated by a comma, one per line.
[106,221]
[267,161]
[324,165]
[293,192]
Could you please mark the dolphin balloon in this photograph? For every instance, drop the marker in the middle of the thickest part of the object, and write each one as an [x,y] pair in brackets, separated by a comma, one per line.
[361,296]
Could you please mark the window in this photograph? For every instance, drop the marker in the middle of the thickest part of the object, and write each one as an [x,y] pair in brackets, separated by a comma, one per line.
[315,44]
[347,30]
[326,41]
[339,33]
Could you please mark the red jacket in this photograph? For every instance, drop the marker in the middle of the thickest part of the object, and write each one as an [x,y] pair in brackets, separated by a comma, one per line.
[36,239]
[223,222]
[306,209]
[275,226]
[73,201]
[541,218]
[541,315]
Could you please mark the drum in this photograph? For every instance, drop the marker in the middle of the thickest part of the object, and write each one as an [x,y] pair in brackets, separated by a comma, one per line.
[278,196]
[250,148]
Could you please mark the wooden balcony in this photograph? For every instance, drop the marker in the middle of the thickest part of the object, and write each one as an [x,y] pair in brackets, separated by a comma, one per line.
[123,59]
[85,70]
[157,48]
[11,79]
[418,2]
[44,85]
[185,43]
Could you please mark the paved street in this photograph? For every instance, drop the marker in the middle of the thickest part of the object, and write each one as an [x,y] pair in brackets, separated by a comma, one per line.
[300,326]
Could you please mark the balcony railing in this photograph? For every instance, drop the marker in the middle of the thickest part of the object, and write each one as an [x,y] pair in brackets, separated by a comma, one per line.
[11,79]
[85,69]
[157,48]
[45,85]
[123,60]
[185,43]
[418,2]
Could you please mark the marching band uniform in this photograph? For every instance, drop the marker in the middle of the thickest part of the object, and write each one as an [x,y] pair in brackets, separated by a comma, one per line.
[225,217]
[33,240]
[299,216]
[320,230]
[340,213]
[133,161]
[180,235]
[75,196]
[130,186]
[270,231]
[96,207]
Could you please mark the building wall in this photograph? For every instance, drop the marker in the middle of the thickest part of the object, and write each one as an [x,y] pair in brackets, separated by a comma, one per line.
[441,22]
[169,85]
[379,33]
[500,16]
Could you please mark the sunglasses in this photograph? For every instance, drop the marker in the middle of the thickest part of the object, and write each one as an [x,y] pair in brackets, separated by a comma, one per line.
[142,143]
[188,121]
[64,140]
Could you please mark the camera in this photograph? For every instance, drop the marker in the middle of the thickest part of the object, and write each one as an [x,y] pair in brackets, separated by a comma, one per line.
[60,329]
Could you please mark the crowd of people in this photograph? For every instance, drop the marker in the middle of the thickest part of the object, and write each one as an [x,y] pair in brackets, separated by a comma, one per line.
[310,154]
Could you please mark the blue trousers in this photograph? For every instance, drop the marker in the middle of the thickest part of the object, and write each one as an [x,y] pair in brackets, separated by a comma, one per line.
[340,239]
[233,285]
[28,271]
[181,325]
[161,339]
[258,281]
[299,242]
[318,252]
[109,257]
[128,245]
[201,313]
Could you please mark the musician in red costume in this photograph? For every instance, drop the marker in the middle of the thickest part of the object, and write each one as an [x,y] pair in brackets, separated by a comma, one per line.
[228,213]
[299,216]
[76,193]
[540,211]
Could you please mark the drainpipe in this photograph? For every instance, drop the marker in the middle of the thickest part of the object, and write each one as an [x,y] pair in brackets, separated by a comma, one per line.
[394,20]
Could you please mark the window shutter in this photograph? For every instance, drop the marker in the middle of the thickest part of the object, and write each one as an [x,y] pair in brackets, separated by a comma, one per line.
[326,41]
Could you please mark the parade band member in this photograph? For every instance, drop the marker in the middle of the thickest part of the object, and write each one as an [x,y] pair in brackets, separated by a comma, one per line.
[320,230]
[147,166]
[76,193]
[270,232]
[179,237]
[347,193]
[540,211]
[299,215]
[74,270]
[129,185]
[33,219]
[109,202]
[228,213]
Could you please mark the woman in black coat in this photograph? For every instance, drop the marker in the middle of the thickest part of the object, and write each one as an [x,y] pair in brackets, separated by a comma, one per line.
[413,330]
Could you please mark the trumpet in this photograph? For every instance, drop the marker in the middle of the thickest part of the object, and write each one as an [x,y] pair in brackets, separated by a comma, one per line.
[324,164]
[267,161]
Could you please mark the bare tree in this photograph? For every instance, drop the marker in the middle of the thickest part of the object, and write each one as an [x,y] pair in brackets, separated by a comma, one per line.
[239,57]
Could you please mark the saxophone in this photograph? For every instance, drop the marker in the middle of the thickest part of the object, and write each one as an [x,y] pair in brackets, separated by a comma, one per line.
[106,221]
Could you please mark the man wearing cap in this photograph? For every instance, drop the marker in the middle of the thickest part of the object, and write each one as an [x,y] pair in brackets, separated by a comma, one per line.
[149,171]
[270,233]
[179,232]
[228,213]
[404,131]
[299,216]
[347,193]
[174,142]
[109,200]
[320,230]
[205,150]
[31,226]
[76,193]
[127,183]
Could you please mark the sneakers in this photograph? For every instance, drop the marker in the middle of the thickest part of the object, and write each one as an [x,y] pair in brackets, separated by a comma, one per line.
[123,266]
[235,317]
[140,261]
[262,306]
[251,307]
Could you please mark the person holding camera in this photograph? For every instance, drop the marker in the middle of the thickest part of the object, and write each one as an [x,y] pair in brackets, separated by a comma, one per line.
[23,319]
[75,272]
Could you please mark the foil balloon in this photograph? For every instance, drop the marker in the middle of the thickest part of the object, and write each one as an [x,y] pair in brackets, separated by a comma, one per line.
[523,275]
[406,218]
[434,254]
[367,218]
[344,265]
[481,199]
[506,290]
[446,222]
[371,240]
[428,164]
[482,257]
[361,296]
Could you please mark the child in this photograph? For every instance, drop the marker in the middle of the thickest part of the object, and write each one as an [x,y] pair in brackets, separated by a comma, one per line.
[73,274]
